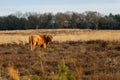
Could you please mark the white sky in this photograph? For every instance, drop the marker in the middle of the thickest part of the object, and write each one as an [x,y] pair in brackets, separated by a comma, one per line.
[41,6]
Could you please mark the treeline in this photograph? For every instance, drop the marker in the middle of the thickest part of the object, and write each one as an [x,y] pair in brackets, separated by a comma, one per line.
[86,20]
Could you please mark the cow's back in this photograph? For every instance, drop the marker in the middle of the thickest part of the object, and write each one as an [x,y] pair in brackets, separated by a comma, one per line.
[38,39]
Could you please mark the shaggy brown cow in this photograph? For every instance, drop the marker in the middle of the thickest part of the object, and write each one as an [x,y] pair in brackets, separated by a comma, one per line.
[39,40]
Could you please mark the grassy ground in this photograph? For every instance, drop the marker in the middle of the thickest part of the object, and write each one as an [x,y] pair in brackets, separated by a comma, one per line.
[95,57]
[60,35]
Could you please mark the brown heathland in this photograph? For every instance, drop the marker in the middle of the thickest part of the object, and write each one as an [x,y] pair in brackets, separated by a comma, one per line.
[90,58]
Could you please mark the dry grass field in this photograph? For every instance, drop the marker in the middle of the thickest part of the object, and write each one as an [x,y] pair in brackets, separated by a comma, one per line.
[60,35]
[74,54]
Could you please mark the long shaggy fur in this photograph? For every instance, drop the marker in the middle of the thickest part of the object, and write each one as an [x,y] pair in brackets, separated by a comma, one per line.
[39,40]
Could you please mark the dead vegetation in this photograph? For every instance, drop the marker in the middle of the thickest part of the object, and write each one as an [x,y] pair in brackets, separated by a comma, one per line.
[86,60]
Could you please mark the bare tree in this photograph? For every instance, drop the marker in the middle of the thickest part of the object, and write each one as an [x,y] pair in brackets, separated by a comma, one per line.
[93,18]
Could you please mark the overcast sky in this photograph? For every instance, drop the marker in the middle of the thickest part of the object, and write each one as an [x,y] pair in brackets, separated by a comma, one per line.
[41,6]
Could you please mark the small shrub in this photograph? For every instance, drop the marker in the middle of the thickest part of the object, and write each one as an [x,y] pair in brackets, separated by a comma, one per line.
[63,72]
[34,77]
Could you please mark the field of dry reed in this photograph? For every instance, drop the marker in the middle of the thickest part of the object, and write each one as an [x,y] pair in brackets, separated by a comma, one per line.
[60,35]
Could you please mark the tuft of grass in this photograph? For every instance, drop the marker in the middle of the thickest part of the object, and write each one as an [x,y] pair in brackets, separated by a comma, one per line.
[41,60]
[13,73]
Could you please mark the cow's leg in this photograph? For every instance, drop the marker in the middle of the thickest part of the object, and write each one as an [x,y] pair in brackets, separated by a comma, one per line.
[44,45]
[31,47]
[34,45]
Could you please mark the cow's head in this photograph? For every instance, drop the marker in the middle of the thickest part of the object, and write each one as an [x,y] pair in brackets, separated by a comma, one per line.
[48,38]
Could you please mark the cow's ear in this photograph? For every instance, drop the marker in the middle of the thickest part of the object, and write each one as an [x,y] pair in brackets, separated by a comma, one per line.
[49,38]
